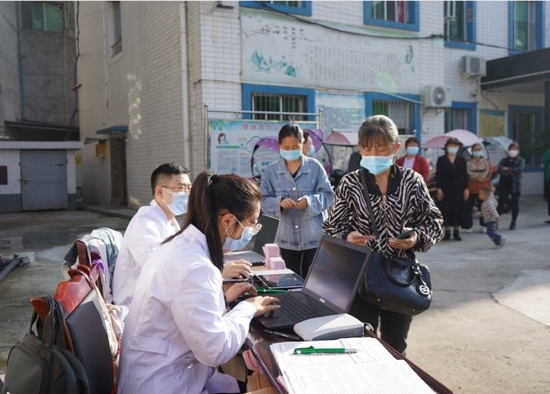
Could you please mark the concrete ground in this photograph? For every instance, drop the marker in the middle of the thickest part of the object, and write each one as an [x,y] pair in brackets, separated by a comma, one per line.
[488,330]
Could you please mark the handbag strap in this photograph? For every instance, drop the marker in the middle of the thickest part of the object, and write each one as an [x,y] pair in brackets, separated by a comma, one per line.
[367,200]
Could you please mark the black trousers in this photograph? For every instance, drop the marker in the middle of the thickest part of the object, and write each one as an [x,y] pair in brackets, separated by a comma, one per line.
[394,327]
[514,204]
[298,261]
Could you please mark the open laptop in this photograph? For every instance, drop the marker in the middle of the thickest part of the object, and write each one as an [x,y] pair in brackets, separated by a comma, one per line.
[330,286]
[267,235]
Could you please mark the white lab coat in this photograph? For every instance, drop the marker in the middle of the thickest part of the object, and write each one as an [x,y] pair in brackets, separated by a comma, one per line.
[177,331]
[147,229]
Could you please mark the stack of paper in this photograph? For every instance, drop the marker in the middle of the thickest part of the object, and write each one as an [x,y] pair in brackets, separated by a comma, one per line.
[371,369]
[272,257]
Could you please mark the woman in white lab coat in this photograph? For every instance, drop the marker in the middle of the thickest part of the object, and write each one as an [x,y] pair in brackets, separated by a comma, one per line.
[178,330]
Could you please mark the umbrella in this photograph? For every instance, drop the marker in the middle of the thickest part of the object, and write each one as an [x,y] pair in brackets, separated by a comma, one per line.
[467,138]
[342,138]
[501,141]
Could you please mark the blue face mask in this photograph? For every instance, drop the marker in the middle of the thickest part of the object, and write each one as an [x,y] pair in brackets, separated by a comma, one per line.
[178,206]
[453,150]
[246,237]
[412,150]
[477,154]
[376,164]
[291,155]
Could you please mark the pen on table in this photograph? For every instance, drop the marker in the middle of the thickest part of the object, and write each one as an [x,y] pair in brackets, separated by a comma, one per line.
[261,290]
[284,335]
[312,350]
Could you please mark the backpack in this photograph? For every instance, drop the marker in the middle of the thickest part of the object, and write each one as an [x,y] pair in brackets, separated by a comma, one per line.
[40,363]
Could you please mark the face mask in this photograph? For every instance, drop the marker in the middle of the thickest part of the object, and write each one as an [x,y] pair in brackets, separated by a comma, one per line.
[311,151]
[238,244]
[412,150]
[291,155]
[452,150]
[376,164]
[178,206]
[477,154]
[513,153]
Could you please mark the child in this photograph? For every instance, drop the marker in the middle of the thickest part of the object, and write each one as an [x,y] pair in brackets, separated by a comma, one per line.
[490,217]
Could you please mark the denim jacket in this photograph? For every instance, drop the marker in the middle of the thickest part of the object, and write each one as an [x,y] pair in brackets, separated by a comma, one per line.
[300,229]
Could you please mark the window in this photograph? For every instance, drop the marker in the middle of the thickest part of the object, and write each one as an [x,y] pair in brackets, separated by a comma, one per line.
[277,99]
[404,113]
[42,16]
[116,31]
[393,14]
[460,27]
[525,127]
[291,7]
[526,25]
[461,116]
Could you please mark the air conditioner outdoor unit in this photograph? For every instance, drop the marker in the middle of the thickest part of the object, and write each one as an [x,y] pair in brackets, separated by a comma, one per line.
[473,66]
[437,97]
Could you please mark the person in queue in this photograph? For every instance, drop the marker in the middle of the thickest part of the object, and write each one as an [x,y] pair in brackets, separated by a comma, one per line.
[511,171]
[178,329]
[413,160]
[400,200]
[296,189]
[479,177]
[451,177]
[308,149]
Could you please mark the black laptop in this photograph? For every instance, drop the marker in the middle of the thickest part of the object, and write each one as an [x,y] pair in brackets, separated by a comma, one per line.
[330,286]
[267,235]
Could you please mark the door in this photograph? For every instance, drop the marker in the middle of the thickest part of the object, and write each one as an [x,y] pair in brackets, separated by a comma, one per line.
[118,172]
[43,180]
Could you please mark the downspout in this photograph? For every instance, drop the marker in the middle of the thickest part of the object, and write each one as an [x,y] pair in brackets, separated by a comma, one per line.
[20,63]
[185,87]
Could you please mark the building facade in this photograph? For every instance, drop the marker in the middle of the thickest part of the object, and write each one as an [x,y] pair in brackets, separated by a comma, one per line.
[38,109]
[148,69]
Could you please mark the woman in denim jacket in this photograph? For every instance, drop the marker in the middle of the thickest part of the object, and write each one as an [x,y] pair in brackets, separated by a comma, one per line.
[296,189]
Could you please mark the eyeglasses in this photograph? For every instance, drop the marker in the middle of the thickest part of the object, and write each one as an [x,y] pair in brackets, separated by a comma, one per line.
[182,188]
[255,227]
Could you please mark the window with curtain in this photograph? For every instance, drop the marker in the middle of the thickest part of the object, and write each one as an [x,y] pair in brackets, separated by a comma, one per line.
[278,103]
[393,11]
[457,118]
[400,112]
[38,15]
[455,21]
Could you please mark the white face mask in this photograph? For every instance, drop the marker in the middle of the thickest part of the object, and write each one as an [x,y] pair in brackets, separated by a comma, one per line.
[178,206]
[513,153]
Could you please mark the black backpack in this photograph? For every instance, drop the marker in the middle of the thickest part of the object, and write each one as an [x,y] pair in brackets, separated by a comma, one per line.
[40,363]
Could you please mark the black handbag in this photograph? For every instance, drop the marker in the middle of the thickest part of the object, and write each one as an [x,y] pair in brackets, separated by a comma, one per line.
[393,283]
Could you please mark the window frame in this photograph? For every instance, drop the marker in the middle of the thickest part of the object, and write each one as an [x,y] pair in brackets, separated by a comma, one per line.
[472,118]
[415,123]
[413,11]
[249,89]
[539,124]
[539,27]
[471,29]
[305,10]
[27,15]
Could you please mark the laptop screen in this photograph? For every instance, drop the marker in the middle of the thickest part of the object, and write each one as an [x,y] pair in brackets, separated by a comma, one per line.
[267,235]
[336,267]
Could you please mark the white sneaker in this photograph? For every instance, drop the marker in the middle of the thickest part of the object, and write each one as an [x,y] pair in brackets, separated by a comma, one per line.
[483,230]
[501,244]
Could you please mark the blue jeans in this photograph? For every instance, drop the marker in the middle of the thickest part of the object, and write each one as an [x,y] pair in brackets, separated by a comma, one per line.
[492,228]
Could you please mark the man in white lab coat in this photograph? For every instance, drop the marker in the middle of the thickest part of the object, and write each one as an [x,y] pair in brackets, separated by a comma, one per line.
[150,226]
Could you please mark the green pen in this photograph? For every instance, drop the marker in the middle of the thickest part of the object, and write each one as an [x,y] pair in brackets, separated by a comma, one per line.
[312,350]
[261,290]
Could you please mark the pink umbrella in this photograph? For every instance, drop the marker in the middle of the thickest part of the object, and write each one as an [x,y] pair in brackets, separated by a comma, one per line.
[467,138]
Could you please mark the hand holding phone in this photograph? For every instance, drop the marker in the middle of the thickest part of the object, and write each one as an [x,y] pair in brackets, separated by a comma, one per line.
[406,234]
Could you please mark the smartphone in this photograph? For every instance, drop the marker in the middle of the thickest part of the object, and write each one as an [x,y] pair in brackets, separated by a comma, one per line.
[406,234]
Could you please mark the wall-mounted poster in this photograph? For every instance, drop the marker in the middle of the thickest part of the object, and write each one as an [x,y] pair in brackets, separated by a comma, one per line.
[491,123]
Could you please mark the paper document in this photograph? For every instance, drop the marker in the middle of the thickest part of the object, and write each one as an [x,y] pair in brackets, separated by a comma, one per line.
[372,369]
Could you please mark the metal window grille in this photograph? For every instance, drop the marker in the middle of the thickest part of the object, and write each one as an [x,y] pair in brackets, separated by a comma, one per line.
[278,103]
[393,11]
[401,112]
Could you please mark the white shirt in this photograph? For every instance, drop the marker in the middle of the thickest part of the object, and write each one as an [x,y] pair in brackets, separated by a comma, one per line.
[147,229]
[177,332]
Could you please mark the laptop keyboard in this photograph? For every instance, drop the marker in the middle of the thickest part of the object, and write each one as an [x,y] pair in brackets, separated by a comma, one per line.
[297,311]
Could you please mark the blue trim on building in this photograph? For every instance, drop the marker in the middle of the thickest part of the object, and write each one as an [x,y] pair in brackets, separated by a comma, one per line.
[539,27]
[113,130]
[472,119]
[539,124]
[415,120]
[471,30]
[413,12]
[305,10]
[248,90]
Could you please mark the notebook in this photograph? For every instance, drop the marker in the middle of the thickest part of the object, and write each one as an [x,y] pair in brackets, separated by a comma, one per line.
[330,286]
[267,235]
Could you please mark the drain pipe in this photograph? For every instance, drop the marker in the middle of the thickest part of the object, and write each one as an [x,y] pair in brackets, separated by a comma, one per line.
[20,61]
[185,88]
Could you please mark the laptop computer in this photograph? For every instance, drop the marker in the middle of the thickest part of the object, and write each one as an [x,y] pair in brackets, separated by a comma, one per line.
[267,235]
[330,286]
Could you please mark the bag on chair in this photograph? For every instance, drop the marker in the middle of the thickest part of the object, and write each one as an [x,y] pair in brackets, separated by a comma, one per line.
[40,363]
[393,283]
